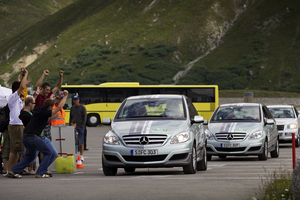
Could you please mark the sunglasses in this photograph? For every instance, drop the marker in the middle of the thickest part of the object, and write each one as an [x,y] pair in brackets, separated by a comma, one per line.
[32,103]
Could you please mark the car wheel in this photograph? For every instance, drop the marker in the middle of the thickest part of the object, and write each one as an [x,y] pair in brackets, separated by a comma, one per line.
[264,154]
[275,153]
[92,120]
[202,164]
[209,157]
[191,168]
[222,156]
[109,171]
[129,169]
[297,142]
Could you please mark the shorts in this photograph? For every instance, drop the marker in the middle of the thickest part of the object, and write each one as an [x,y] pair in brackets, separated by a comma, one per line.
[6,145]
[80,135]
[15,135]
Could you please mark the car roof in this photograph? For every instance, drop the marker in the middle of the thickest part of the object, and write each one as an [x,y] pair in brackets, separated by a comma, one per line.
[240,104]
[167,96]
[279,106]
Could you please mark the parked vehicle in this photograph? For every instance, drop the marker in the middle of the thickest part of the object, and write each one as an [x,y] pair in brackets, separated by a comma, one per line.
[287,121]
[155,131]
[241,130]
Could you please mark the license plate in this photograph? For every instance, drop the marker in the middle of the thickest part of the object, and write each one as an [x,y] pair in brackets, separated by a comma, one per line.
[229,145]
[144,152]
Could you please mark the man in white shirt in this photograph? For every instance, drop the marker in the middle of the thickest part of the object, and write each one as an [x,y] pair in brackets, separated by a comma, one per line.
[15,127]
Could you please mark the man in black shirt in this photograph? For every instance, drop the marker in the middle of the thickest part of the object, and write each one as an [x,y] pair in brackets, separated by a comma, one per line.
[34,142]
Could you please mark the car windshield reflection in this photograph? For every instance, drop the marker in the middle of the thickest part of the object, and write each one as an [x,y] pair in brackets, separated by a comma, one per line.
[237,113]
[152,108]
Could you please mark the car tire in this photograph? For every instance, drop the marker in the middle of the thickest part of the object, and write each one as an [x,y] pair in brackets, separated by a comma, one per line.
[264,154]
[209,157]
[297,142]
[202,164]
[93,120]
[275,152]
[222,156]
[191,168]
[129,169]
[109,171]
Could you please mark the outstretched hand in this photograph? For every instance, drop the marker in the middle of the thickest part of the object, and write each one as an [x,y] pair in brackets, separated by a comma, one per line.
[46,72]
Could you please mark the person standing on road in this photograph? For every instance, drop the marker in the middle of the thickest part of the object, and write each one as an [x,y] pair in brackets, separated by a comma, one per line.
[25,116]
[59,120]
[34,142]
[78,115]
[15,127]
[46,93]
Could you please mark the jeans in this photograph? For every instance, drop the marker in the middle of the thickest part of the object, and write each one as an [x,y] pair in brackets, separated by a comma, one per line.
[32,145]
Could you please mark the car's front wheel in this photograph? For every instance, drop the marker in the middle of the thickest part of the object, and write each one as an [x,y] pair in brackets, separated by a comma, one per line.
[191,167]
[202,164]
[109,171]
[275,152]
[264,154]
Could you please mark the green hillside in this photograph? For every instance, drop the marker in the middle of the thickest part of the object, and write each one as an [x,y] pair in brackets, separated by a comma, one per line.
[149,41]
[18,15]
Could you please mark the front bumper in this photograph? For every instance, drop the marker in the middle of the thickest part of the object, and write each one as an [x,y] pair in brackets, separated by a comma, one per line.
[287,135]
[169,155]
[246,148]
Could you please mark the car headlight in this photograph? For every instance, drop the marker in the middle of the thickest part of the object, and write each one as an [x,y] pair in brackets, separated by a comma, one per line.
[180,137]
[111,138]
[209,135]
[256,135]
[292,126]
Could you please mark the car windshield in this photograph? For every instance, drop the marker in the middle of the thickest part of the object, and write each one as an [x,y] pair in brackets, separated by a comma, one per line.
[237,113]
[282,112]
[152,107]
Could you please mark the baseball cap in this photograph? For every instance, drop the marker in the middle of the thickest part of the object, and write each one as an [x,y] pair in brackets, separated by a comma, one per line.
[76,97]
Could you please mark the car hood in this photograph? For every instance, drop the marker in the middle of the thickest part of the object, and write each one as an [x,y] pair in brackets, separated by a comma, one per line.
[234,127]
[165,127]
[281,121]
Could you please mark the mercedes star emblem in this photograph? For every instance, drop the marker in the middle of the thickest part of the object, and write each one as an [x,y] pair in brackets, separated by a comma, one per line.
[144,140]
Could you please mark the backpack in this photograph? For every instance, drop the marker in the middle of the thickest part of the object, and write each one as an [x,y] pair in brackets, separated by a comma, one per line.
[4,118]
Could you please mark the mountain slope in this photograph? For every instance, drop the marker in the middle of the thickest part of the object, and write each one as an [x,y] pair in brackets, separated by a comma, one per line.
[18,15]
[150,41]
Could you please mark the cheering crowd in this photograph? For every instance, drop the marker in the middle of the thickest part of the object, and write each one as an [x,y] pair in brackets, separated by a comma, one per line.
[28,135]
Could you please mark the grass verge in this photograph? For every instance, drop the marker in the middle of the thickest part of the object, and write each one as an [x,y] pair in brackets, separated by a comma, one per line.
[276,184]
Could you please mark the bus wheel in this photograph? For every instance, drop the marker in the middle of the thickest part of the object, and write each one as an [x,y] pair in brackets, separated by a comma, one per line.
[92,120]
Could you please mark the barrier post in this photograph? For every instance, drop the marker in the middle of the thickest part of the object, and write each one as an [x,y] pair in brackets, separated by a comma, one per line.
[294,150]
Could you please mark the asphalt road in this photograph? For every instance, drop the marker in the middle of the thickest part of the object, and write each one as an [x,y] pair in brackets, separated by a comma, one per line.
[230,178]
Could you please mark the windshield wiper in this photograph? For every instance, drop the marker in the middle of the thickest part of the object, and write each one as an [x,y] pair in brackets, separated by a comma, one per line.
[146,116]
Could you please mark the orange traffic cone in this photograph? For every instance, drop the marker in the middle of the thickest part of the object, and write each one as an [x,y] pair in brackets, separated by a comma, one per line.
[79,163]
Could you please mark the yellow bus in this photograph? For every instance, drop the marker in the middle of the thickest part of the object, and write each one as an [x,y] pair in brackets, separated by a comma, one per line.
[102,101]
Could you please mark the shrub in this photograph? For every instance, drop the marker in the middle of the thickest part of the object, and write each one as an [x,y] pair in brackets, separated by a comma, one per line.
[57,54]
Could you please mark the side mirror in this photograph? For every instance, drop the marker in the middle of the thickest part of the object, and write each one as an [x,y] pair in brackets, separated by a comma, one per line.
[270,121]
[198,119]
[106,121]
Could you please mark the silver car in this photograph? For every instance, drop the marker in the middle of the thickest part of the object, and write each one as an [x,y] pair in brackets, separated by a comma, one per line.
[155,131]
[287,121]
[241,130]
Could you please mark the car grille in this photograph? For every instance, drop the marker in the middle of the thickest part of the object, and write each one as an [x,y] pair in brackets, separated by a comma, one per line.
[280,127]
[230,136]
[231,149]
[133,140]
[144,158]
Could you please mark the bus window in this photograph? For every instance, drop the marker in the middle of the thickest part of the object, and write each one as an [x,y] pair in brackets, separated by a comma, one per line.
[173,91]
[92,95]
[117,95]
[201,94]
[146,91]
